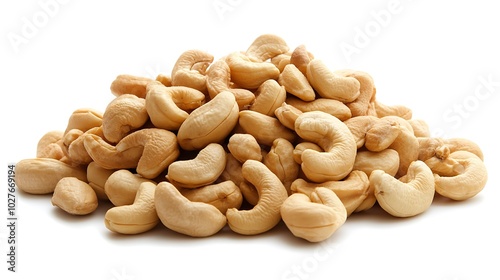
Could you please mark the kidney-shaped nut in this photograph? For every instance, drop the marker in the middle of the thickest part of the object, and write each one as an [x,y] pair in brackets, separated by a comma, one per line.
[383,110]
[266,46]
[136,218]
[223,195]
[40,175]
[253,123]
[84,119]
[74,145]
[315,217]
[296,83]
[50,145]
[203,170]
[122,185]
[287,115]
[250,74]
[123,114]
[331,85]
[244,146]
[301,57]
[130,84]
[386,160]
[299,148]
[176,212]
[354,192]
[360,125]
[360,106]
[189,69]
[97,178]
[268,97]
[210,123]
[280,161]
[334,138]
[330,106]
[405,199]
[74,196]
[167,106]
[232,171]
[266,213]
[467,178]
[441,147]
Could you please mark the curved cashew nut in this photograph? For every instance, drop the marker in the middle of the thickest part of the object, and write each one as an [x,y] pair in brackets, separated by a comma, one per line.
[123,114]
[136,218]
[405,199]
[313,218]
[121,186]
[244,146]
[250,74]
[287,115]
[360,106]
[296,83]
[383,110]
[420,128]
[334,138]
[266,213]
[223,195]
[280,161]
[189,69]
[181,215]
[331,85]
[50,145]
[166,80]
[281,60]
[354,192]
[166,106]
[466,181]
[300,57]
[268,97]
[252,122]
[359,127]
[130,84]
[330,106]
[301,147]
[40,175]
[97,178]
[75,147]
[74,196]
[439,147]
[266,46]
[84,119]
[203,170]
[210,123]
[386,160]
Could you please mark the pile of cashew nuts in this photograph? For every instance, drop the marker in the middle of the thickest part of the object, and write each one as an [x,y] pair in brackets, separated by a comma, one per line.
[254,138]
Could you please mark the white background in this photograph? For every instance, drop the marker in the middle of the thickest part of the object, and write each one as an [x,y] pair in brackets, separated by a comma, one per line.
[426,55]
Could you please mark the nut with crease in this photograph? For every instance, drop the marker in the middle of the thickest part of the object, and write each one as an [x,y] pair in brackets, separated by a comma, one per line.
[136,218]
[250,74]
[123,114]
[244,146]
[50,145]
[315,217]
[223,195]
[300,57]
[130,84]
[74,196]
[121,186]
[97,178]
[266,46]
[280,161]
[189,69]
[296,83]
[252,122]
[287,115]
[330,106]
[360,106]
[84,119]
[268,97]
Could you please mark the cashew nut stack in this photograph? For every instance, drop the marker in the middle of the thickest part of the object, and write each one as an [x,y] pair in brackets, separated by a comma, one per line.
[244,142]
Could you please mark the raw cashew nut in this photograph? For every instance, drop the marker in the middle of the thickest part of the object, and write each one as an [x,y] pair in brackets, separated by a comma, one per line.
[296,83]
[203,170]
[331,85]
[250,74]
[40,175]
[430,147]
[223,195]
[232,170]
[420,128]
[74,196]
[167,106]
[280,161]
[300,57]
[301,147]
[266,46]
[124,114]
[210,123]
[360,106]
[386,160]
[287,115]
[136,218]
[189,69]
[268,97]
[84,119]
[130,84]
[181,215]
[266,213]
[281,60]
[252,122]
[97,178]
[383,110]
[334,138]
[49,145]
[402,199]
[330,106]
[244,146]
[122,185]
[468,177]
[313,218]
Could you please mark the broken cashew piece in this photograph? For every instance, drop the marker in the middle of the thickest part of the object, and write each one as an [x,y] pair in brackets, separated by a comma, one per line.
[402,199]
[315,217]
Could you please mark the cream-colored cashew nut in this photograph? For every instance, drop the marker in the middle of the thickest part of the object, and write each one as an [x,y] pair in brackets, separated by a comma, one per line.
[122,185]
[386,160]
[252,122]
[296,83]
[244,146]
[268,97]
[266,213]
[334,137]
[402,199]
[84,119]
[74,196]
[123,114]
[331,106]
[203,170]
[189,69]
[280,161]
[300,57]
[250,74]
[360,106]
[136,218]
[50,145]
[315,217]
[287,115]
[97,177]
[130,84]
[266,46]
[176,212]
[223,195]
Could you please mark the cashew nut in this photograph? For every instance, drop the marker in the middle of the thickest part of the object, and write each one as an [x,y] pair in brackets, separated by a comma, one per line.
[402,199]
[296,83]
[330,106]
[97,178]
[130,84]
[84,119]
[204,169]
[360,106]
[386,160]
[300,57]
[136,218]
[315,217]
[252,122]
[266,46]
[440,147]
[244,147]
[250,74]
[287,115]
[334,138]
[223,195]
[280,161]
[121,186]
[181,215]
[184,72]
[74,196]
[266,213]
[383,110]
[124,114]
[49,145]
[268,97]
